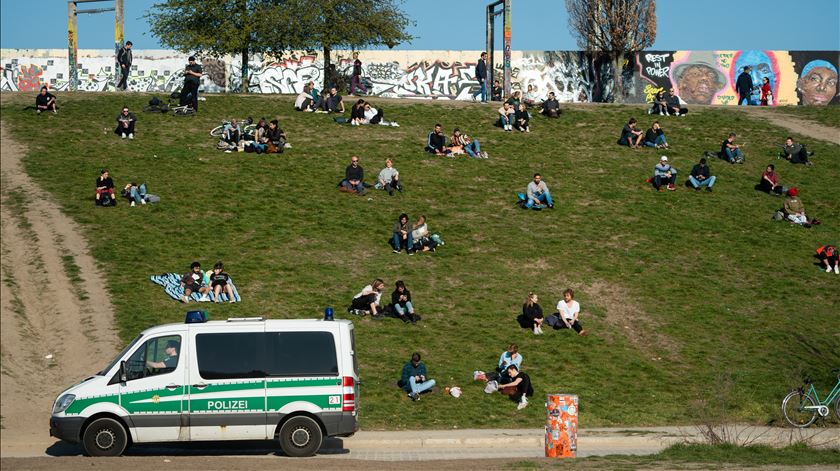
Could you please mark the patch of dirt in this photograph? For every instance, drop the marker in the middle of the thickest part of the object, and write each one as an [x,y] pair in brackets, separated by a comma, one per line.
[56,329]
[797,125]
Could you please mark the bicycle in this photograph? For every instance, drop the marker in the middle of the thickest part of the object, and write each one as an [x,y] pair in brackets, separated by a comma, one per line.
[247,127]
[802,405]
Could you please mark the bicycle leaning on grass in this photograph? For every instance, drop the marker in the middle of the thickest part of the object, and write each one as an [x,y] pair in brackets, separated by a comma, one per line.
[247,127]
[802,406]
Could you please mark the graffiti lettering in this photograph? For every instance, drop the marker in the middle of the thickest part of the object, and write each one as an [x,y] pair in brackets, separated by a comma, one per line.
[29,78]
[651,91]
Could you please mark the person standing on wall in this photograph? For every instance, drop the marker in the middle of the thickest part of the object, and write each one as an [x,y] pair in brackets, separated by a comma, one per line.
[744,86]
[481,76]
[192,79]
[356,77]
[124,57]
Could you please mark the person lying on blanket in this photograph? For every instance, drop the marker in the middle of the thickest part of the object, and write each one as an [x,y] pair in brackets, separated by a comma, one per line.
[193,282]
[220,281]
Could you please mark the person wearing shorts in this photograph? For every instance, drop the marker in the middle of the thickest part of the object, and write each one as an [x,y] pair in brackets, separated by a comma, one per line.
[193,282]
[219,282]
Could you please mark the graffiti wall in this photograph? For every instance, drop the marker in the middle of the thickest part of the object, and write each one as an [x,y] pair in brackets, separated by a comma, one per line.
[698,77]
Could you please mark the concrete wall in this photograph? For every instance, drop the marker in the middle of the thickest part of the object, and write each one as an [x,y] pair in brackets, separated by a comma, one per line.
[797,77]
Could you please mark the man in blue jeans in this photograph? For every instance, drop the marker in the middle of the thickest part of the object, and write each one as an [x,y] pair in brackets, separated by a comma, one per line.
[414,380]
[701,176]
[731,151]
[537,195]
[481,76]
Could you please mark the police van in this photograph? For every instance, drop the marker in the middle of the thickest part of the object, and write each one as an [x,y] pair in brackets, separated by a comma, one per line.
[295,381]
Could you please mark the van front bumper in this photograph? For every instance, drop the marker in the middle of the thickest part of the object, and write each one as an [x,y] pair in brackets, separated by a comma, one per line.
[67,428]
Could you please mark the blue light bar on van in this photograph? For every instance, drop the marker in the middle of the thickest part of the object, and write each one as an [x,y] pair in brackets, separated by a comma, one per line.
[196,317]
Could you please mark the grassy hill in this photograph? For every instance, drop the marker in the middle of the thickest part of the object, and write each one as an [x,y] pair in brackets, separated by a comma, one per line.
[692,299]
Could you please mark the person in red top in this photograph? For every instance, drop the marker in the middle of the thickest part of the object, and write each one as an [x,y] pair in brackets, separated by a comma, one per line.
[766,92]
[769,182]
[829,258]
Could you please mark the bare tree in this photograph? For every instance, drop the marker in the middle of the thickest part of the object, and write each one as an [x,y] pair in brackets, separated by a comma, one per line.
[613,27]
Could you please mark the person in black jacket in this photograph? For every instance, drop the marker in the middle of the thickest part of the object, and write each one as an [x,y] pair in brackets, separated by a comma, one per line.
[675,107]
[192,80]
[124,57]
[125,124]
[357,113]
[744,85]
[481,76]
[550,107]
[655,137]
[45,101]
[105,186]
[532,314]
[401,300]
[518,388]
[701,176]
[356,76]
[354,174]
[436,144]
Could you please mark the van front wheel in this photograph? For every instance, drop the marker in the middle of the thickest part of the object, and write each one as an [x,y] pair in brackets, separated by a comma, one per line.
[105,437]
[300,436]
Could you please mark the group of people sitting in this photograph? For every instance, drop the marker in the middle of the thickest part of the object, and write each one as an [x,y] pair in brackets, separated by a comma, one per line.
[636,139]
[354,178]
[793,209]
[135,194]
[508,379]
[459,144]
[669,104]
[311,100]
[369,301]
[364,113]
[665,176]
[266,138]
[514,116]
[216,281]
[413,238]
[566,317]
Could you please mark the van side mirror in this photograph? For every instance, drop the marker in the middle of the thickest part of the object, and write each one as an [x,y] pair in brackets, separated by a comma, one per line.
[123,376]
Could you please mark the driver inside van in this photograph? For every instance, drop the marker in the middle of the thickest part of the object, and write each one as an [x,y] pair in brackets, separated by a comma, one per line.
[171,360]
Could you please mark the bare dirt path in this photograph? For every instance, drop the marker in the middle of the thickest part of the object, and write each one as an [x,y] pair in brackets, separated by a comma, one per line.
[797,125]
[56,319]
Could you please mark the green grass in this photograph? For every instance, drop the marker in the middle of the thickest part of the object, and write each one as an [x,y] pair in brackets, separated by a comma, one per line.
[676,288]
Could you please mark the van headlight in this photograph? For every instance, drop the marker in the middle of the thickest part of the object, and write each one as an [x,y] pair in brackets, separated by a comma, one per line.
[63,403]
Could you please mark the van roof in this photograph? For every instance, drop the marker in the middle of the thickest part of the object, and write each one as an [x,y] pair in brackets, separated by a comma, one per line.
[267,323]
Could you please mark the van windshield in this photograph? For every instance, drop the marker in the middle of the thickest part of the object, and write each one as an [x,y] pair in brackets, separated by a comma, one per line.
[119,357]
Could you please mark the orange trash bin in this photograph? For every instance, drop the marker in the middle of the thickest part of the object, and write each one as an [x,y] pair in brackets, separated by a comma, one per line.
[561,425]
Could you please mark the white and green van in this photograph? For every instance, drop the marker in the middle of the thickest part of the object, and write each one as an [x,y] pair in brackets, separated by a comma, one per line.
[241,379]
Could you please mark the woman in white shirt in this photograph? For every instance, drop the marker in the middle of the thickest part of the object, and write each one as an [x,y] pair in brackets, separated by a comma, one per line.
[368,299]
[568,310]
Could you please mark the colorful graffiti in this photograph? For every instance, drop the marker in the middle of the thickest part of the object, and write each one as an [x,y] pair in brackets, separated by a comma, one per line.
[698,77]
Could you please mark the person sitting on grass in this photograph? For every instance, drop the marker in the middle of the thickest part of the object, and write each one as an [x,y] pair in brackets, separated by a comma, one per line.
[659,105]
[701,177]
[795,210]
[496,91]
[436,143]
[537,195]
[232,133]
[731,151]
[530,96]
[125,124]
[829,258]
[567,314]
[550,107]
[519,387]
[511,356]
[275,138]
[220,282]
[367,300]
[401,302]
[664,174]
[630,136]
[402,237]
[423,241]
[514,100]
[795,153]
[105,189]
[389,178]
[522,118]
[354,176]
[134,193]
[315,94]
[655,137]
[193,282]
[332,103]
[674,104]
[461,143]
[769,182]
[414,380]
[506,113]
[357,113]
[303,102]
[532,314]
[45,101]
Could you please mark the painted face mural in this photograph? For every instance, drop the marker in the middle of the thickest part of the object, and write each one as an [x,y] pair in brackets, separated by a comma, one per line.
[698,79]
[817,83]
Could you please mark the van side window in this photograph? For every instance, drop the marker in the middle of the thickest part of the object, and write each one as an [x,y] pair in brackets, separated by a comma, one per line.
[301,354]
[157,356]
[231,355]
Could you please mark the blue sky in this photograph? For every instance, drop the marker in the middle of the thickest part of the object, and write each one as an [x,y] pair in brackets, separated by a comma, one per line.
[459,25]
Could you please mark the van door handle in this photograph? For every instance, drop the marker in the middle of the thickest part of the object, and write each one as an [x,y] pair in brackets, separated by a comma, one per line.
[172,387]
[199,386]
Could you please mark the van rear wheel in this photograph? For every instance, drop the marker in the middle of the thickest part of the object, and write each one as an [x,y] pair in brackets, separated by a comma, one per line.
[300,436]
[105,437]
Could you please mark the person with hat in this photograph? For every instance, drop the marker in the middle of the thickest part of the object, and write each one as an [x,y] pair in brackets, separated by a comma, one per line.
[664,174]
[519,387]
[794,209]
[192,79]
[413,379]
[171,360]
[829,257]
[701,177]
[744,85]
[699,78]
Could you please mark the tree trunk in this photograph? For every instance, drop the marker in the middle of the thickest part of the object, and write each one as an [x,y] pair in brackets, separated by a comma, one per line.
[618,88]
[244,84]
[327,77]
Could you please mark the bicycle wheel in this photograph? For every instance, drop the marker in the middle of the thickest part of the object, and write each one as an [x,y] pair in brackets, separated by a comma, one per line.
[793,407]
[217,131]
[249,129]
